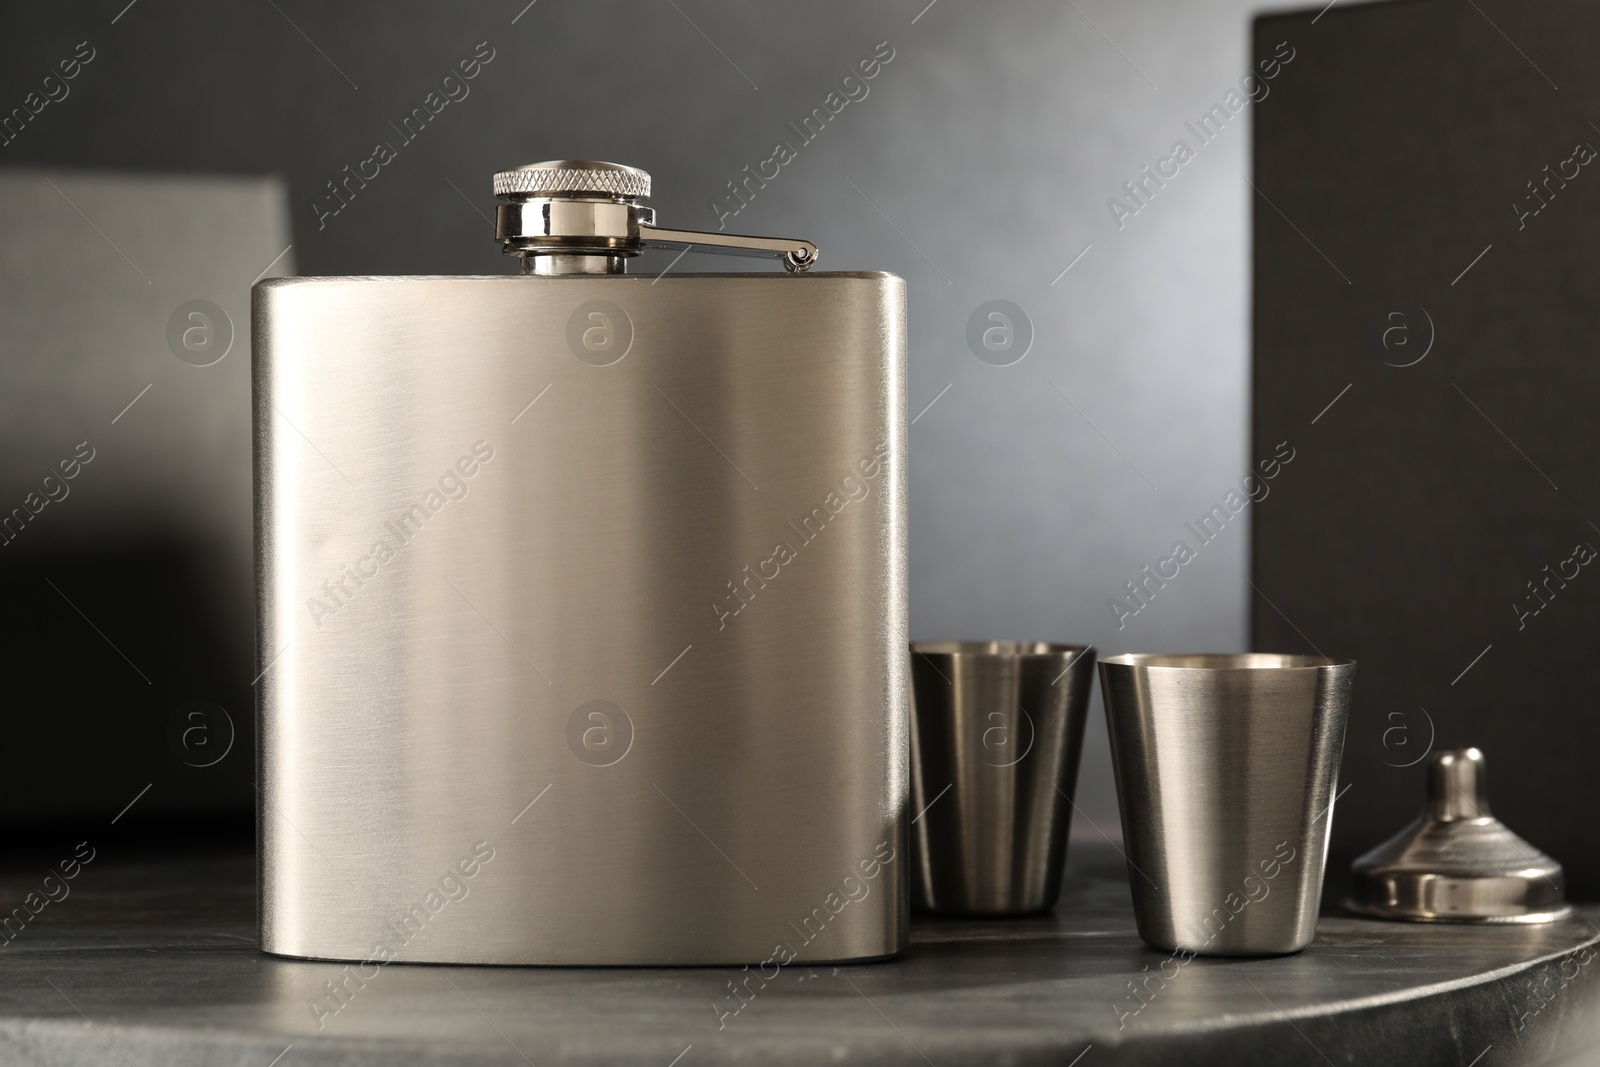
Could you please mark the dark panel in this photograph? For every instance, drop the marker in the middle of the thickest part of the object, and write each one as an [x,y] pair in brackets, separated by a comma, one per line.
[164,716]
[1443,480]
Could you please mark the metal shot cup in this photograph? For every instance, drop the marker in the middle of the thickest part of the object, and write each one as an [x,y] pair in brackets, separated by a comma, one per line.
[996,734]
[1226,767]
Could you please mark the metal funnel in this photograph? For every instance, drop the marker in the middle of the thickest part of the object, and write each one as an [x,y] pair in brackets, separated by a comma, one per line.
[1457,863]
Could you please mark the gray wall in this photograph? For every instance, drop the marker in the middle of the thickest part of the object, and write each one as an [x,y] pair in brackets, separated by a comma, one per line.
[978,166]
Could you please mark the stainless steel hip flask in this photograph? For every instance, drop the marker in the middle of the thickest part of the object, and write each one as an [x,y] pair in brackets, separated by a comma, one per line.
[582,611]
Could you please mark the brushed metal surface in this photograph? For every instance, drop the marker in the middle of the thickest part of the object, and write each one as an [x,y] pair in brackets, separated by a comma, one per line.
[701,529]
[996,737]
[1226,767]
[1456,862]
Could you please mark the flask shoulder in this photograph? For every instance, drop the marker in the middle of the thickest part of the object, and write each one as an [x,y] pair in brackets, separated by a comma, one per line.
[301,281]
[351,306]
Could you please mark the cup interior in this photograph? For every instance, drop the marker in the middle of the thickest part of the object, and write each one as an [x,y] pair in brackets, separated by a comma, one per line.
[994,648]
[1223,661]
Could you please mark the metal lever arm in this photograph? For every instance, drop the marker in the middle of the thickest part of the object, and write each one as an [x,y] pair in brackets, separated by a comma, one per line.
[797,255]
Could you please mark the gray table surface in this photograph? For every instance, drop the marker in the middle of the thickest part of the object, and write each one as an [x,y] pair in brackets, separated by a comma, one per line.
[153,962]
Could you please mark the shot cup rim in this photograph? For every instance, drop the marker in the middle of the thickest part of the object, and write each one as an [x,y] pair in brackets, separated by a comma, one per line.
[1223,661]
[1000,649]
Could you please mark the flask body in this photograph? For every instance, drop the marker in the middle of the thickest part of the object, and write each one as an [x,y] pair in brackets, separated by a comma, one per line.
[581,616]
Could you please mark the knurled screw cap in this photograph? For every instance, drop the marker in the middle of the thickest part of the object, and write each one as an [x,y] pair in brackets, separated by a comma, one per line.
[569,177]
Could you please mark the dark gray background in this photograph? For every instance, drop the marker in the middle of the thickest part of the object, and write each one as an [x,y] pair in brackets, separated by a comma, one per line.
[978,167]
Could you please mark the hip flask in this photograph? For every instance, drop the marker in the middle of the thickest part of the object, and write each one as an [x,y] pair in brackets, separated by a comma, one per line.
[581,601]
